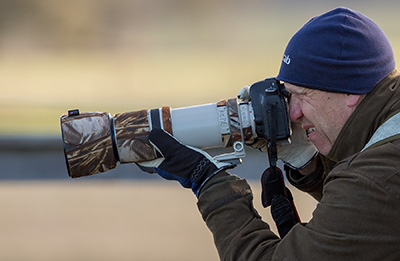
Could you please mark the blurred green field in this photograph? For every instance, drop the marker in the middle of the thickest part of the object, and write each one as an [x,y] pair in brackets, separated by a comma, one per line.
[38,91]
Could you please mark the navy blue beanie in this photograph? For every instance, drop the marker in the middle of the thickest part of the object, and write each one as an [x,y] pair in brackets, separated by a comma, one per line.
[339,51]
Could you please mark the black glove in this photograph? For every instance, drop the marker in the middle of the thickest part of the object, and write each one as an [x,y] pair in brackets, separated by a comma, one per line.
[278,196]
[190,166]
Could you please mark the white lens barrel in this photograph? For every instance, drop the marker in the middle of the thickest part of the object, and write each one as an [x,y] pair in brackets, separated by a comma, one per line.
[199,126]
[214,125]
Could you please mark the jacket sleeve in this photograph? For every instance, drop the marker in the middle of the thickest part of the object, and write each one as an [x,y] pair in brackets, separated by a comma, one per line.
[354,214]
[226,205]
[312,183]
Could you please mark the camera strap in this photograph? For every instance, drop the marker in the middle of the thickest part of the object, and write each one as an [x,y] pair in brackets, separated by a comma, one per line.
[274,192]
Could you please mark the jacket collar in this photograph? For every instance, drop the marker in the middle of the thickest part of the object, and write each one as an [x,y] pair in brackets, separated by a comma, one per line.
[373,110]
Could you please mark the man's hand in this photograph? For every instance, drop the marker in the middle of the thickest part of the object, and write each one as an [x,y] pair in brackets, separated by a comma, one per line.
[190,166]
[298,154]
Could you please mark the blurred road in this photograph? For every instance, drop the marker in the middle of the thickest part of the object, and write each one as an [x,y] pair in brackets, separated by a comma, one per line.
[38,157]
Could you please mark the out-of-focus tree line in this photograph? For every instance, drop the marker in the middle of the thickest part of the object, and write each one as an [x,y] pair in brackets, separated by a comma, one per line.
[118,24]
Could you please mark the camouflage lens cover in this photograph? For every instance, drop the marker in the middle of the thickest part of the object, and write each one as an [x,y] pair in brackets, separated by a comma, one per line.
[88,144]
[132,132]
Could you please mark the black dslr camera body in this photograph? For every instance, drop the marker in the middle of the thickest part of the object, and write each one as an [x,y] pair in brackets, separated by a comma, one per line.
[269,101]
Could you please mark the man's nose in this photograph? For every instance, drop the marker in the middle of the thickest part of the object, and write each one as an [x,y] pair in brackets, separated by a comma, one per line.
[295,112]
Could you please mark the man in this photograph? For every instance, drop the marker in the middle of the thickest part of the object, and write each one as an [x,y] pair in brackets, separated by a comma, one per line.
[340,71]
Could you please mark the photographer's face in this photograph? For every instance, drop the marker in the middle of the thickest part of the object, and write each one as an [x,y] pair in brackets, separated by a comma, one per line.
[321,114]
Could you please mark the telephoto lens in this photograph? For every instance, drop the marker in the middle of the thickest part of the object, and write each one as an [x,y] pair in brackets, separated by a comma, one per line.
[95,142]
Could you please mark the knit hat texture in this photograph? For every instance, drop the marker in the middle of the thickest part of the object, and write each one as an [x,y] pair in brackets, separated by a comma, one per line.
[339,51]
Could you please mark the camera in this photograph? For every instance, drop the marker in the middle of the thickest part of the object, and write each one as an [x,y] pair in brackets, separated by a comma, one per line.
[95,142]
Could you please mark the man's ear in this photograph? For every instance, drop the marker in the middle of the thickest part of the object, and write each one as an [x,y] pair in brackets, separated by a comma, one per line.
[352,100]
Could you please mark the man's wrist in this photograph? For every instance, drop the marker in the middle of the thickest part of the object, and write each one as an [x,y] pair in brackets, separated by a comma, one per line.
[220,177]
[311,167]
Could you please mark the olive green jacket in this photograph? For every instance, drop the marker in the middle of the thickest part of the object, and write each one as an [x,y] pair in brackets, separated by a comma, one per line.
[358,214]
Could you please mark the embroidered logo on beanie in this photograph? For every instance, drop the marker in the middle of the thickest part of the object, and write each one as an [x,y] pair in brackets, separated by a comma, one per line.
[339,51]
[286,59]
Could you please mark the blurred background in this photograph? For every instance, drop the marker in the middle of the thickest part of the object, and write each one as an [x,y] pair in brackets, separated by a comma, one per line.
[117,56]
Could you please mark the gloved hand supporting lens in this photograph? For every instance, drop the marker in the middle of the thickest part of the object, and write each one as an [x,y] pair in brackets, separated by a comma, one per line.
[191,167]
